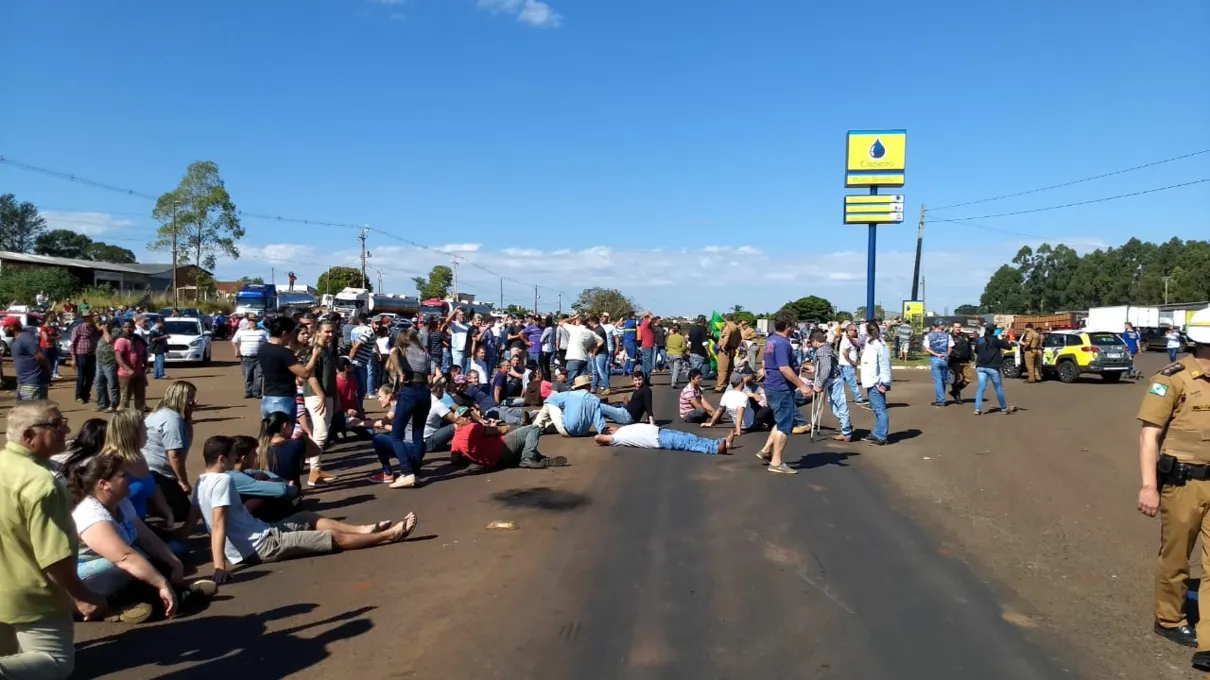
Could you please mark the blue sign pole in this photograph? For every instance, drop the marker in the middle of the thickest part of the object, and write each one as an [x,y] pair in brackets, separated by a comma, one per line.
[869,285]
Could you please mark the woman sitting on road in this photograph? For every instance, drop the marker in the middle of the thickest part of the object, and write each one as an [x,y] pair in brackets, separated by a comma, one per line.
[169,436]
[279,452]
[113,542]
[125,439]
[267,496]
[88,442]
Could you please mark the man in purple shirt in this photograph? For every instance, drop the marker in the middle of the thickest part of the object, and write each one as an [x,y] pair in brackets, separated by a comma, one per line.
[533,337]
[781,378]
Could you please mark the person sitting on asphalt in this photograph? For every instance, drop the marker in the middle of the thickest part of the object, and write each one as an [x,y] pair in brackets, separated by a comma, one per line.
[438,431]
[651,436]
[237,538]
[742,406]
[495,445]
[266,495]
[638,408]
[279,452]
[121,559]
[468,392]
[573,413]
[692,404]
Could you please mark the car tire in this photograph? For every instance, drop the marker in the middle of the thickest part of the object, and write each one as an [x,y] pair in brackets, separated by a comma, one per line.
[1111,377]
[1010,369]
[1068,371]
[206,358]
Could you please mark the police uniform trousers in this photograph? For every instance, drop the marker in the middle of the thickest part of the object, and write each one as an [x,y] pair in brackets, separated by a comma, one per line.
[1033,364]
[1183,515]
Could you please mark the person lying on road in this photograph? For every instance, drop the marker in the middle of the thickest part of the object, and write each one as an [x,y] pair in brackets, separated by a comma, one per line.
[646,436]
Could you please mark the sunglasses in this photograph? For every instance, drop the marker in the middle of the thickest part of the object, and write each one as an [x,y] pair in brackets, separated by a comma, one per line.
[56,424]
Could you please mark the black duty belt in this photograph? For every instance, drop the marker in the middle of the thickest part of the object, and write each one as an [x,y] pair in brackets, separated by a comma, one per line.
[1172,471]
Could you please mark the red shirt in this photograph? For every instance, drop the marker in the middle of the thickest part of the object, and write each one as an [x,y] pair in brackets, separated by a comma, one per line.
[484,449]
[648,339]
[346,391]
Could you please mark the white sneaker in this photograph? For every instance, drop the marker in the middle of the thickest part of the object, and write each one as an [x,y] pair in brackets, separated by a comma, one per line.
[404,482]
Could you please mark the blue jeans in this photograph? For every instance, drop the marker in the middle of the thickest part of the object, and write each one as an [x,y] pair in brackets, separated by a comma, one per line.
[675,440]
[1172,354]
[617,414]
[940,370]
[384,447]
[575,369]
[412,406]
[840,407]
[849,375]
[631,353]
[107,386]
[284,405]
[647,357]
[600,375]
[697,361]
[159,366]
[446,360]
[984,374]
[679,371]
[882,422]
[800,400]
[782,403]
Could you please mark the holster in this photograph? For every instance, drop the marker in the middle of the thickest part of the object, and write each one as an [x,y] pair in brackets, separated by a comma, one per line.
[1169,470]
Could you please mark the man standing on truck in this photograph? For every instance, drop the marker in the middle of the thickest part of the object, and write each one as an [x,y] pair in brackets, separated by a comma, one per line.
[1031,344]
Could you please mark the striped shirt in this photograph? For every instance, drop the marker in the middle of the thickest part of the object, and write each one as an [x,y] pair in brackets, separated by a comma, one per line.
[249,341]
[365,351]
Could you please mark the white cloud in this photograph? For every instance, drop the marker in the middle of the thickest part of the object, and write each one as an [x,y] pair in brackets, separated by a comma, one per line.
[533,12]
[88,223]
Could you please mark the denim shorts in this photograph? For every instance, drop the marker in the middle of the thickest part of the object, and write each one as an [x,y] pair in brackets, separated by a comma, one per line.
[782,404]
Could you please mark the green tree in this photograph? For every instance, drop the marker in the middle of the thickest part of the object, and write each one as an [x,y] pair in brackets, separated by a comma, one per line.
[20,225]
[437,285]
[966,310]
[595,301]
[744,315]
[63,243]
[811,308]
[859,313]
[103,252]
[844,316]
[205,220]
[517,310]
[259,279]
[1005,292]
[20,286]
[337,279]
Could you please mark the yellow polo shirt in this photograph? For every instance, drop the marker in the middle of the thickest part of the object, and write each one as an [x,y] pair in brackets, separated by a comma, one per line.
[36,530]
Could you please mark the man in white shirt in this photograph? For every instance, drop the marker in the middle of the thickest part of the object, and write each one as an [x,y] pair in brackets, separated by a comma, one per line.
[458,329]
[580,342]
[740,406]
[247,342]
[849,357]
[647,436]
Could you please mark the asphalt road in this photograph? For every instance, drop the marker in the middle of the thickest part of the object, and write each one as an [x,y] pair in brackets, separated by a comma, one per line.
[628,564]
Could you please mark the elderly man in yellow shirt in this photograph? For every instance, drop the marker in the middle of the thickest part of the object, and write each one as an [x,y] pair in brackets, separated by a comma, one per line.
[38,581]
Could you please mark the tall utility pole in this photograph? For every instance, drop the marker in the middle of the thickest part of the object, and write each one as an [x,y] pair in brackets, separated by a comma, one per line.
[455,291]
[919,246]
[1166,280]
[560,303]
[923,295]
[272,275]
[501,293]
[364,279]
[535,299]
[174,267]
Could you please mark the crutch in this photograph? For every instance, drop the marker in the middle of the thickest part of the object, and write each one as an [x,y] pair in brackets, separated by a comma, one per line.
[817,403]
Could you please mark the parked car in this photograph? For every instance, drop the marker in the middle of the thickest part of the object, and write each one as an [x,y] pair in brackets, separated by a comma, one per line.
[1156,340]
[1070,354]
[26,318]
[188,340]
[190,312]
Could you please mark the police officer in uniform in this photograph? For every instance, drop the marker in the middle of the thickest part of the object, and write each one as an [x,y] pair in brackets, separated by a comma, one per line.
[1031,343]
[1174,456]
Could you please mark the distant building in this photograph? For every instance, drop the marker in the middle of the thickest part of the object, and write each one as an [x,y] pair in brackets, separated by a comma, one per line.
[133,278]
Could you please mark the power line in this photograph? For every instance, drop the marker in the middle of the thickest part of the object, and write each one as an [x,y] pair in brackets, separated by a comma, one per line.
[976,225]
[1067,184]
[262,216]
[1078,203]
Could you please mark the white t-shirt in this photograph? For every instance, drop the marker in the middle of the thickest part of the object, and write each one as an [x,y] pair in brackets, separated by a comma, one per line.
[484,374]
[848,352]
[245,533]
[436,417]
[458,332]
[578,342]
[639,436]
[93,569]
[733,400]
[384,345]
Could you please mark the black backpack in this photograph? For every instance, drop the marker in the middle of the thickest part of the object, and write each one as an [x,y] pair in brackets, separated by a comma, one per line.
[962,349]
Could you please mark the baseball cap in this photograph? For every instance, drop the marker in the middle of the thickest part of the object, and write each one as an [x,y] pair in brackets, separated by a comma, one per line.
[737,379]
[462,411]
[12,322]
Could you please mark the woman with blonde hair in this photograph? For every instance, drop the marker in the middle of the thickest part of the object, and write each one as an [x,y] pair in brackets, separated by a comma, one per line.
[125,437]
[169,436]
[410,364]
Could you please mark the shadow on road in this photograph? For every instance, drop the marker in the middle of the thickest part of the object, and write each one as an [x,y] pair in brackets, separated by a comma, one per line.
[216,420]
[542,498]
[902,435]
[815,460]
[317,505]
[221,646]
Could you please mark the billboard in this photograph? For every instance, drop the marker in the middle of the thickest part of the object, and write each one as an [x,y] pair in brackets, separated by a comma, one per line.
[887,209]
[875,158]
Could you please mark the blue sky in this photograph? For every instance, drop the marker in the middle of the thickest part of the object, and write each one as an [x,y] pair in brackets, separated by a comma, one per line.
[688,153]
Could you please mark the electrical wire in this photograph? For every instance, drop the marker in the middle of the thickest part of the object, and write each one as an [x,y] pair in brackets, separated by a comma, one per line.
[1067,184]
[1079,203]
[275,218]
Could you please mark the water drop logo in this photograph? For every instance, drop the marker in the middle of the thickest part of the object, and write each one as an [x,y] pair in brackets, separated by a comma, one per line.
[877,150]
